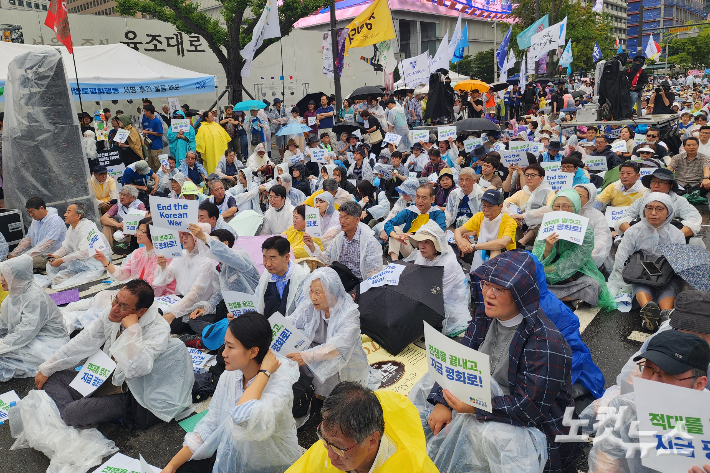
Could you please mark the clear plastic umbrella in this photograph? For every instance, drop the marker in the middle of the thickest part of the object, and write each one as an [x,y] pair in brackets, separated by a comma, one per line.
[246,222]
[293,129]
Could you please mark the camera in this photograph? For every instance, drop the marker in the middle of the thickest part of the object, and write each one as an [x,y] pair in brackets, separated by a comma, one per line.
[658,90]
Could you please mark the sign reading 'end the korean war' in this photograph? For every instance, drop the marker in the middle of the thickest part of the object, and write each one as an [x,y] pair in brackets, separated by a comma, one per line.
[173,214]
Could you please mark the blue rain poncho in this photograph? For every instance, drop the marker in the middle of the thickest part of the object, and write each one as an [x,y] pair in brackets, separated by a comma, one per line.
[178,146]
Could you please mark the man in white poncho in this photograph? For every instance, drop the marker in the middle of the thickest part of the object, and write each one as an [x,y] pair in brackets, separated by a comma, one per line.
[280,286]
[246,193]
[150,366]
[31,325]
[434,250]
[279,216]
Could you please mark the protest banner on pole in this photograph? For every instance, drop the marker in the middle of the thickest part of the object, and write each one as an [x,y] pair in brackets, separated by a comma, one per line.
[95,371]
[595,163]
[239,302]
[178,125]
[420,135]
[96,243]
[559,180]
[285,337]
[7,400]
[674,425]
[172,213]
[165,242]
[390,275]
[464,371]
[614,214]
[568,226]
[393,138]
[130,221]
[121,135]
[519,158]
[446,132]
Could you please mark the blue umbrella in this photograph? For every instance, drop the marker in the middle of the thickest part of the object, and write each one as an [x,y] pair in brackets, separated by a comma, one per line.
[249,105]
[293,129]
[691,263]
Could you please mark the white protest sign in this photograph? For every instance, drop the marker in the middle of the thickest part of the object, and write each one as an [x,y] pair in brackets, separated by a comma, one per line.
[483,183]
[96,369]
[164,302]
[639,138]
[173,104]
[121,135]
[519,146]
[415,70]
[568,226]
[519,158]
[514,209]
[619,146]
[172,213]
[595,163]
[614,214]
[285,337]
[96,243]
[116,172]
[420,135]
[464,371]
[433,178]
[646,171]
[239,302]
[468,145]
[295,159]
[130,221]
[313,222]
[120,463]
[551,166]
[166,242]
[446,132]
[357,133]
[559,180]
[163,158]
[498,147]
[390,275]
[393,138]
[536,148]
[623,302]
[674,423]
[413,174]
[318,156]
[199,360]
[7,400]
[311,121]
[180,124]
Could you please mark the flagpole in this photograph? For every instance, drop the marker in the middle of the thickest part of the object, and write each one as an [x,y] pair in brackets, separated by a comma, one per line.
[334,47]
[78,87]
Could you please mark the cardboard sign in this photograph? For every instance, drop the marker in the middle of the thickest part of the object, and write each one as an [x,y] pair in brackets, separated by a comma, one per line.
[420,135]
[519,146]
[552,166]
[172,213]
[595,163]
[96,243]
[164,302]
[95,371]
[296,158]
[311,121]
[392,138]
[464,371]
[674,424]
[559,180]
[468,145]
[619,146]
[7,400]
[446,132]
[130,221]
[318,156]
[165,242]
[285,337]
[121,135]
[519,158]
[200,360]
[568,226]
[313,222]
[239,302]
[614,214]
[390,275]
[120,463]
[178,125]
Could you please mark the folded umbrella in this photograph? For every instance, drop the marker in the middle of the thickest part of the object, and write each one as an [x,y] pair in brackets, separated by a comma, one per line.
[249,105]
[246,222]
[476,124]
[293,129]
[365,92]
[393,315]
[691,263]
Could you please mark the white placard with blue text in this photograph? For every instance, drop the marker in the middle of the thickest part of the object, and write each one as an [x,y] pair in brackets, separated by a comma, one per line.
[295,159]
[568,226]
[120,463]
[468,145]
[463,371]
[7,400]
[519,146]
[446,132]
[420,135]
[393,138]
[614,214]
[559,180]
[130,221]
[390,275]
[239,302]
[509,158]
[536,148]
[121,135]
[200,360]
[96,369]
[285,337]
[180,124]
[174,214]
[646,171]
[313,222]
[619,146]
[551,166]
[595,163]
[164,302]
[96,243]
[166,242]
[318,156]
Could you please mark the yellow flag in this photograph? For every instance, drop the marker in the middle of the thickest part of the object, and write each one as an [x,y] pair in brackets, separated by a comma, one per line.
[370,27]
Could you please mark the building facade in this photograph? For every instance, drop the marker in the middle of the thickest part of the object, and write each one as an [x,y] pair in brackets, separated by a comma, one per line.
[660,14]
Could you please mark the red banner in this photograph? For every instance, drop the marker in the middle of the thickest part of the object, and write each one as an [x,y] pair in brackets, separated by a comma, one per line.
[58,21]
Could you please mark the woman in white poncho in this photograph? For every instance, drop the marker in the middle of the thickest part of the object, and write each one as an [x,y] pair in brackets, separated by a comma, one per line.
[246,193]
[249,426]
[329,218]
[602,234]
[195,276]
[331,319]
[31,326]
[434,250]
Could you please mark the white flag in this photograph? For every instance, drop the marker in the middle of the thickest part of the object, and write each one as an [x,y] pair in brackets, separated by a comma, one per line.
[651,50]
[523,73]
[415,70]
[455,38]
[509,61]
[387,52]
[548,39]
[442,58]
[267,27]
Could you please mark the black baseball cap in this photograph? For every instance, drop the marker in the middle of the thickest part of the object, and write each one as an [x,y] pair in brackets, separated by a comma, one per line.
[493,197]
[99,169]
[676,352]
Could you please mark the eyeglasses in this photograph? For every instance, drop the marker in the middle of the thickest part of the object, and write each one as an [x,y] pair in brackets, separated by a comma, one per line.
[530,176]
[561,207]
[660,373]
[486,286]
[338,451]
[123,307]
[651,136]
[652,209]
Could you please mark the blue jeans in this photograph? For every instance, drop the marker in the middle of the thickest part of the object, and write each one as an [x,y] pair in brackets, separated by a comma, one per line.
[244,146]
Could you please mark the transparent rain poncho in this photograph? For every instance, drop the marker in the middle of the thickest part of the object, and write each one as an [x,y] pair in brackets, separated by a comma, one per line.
[340,357]
[457,316]
[597,220]
[299,273]
[141,264]
[31,325]
[330,222]
[157,368]
[370,251]
[467,444]
[195,274]
[247,198]
[263,442]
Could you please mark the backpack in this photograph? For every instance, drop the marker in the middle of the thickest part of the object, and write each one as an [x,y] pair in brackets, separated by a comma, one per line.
[303,395]
[204,386]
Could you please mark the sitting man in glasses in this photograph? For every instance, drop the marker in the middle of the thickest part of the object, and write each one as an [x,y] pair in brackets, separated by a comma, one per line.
[152,369]
[653,136]
[363,431]
[530,366]
[671,357]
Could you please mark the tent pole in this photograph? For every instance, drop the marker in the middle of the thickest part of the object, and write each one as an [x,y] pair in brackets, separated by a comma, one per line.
[78,87]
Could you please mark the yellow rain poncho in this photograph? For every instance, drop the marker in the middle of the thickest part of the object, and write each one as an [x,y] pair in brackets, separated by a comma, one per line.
[211,142]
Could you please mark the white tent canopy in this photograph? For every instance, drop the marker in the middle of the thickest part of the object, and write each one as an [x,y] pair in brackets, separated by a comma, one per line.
[116,71]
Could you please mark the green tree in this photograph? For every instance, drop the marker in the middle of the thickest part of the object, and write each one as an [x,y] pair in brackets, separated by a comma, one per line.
[224,41]
[479,66]
[690,53]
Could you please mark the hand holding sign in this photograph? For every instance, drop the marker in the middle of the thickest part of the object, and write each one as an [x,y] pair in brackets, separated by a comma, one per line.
[392,138]
[173,214]
[285,337]
[165,242]
[130,221]
[95,371]
[567,225]
[420,135]
[313,226]
[121,135]
[446,132]
[239,302]
[318,156]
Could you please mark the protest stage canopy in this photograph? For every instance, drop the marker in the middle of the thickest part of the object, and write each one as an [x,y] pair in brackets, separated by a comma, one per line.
[116,71]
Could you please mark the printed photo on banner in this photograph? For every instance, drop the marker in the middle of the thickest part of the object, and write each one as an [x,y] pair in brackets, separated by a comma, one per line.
[318,156]
[7,400]
[519,158]
[420,135]
[239,302]
[446,132]
[166,242]
[313,222]
[130,221]
[97,368]
[285,337]
[173,214]
[390,275]
[180,124]
[468,145]
[595,163]
[121,135]
[464,371]
[393,138]
[614,214]
[559,180]
[567,225]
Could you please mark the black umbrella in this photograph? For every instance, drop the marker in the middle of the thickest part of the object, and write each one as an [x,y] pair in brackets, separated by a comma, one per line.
[393,315]
[303,103]
[554,80]
[362,93]
[347,128]
[578,93]
[498,86]
[476,124]
[403,91]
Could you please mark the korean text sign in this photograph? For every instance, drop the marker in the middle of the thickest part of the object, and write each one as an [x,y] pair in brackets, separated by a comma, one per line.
[130,221]
[285,337]
[420,135]
[95,241]
[464,371]
[239,302]
[393,138]
[318,156]
[313,222]
[390,275]
[180,124]
[551,166]
[446,132]
[199,360]
[7,400]
[568,226]
[165,242]
[95,371]
[595,163]
[468,145]
[172,213]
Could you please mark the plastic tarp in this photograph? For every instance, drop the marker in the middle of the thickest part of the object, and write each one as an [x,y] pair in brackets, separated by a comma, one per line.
[116,71]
